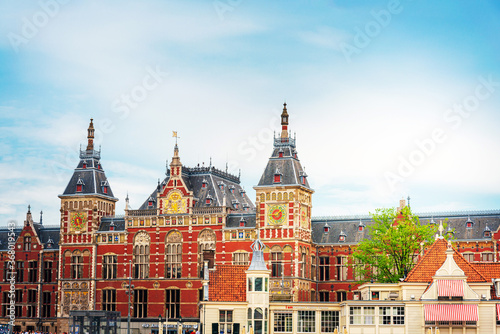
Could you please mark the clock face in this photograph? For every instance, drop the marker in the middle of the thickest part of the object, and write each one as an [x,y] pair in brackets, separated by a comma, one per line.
[78,221]
[276,214]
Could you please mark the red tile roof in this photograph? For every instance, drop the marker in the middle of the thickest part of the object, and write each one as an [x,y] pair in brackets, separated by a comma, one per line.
[426,268]
[227,283]
[488,269]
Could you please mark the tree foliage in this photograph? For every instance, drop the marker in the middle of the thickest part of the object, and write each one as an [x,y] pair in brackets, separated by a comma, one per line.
[391,249]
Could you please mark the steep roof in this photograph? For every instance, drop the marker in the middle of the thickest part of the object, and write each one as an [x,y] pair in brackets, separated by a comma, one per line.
[426,268]
[490,270]
[227,283]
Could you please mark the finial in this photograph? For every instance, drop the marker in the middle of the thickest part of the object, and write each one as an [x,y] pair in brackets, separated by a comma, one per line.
[226,167]
[284,122]
[126,198]
[441,229]
[90,136]
[29,208]
[41,214]
[408,201]
[210,161]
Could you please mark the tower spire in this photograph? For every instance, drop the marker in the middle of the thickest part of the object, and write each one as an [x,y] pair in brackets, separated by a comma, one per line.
[175,165]
[90,136]
[284,122]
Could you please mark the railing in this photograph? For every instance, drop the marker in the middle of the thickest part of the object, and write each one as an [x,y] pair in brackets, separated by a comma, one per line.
[278,142]
[208,210]
[144,212]
[211,170]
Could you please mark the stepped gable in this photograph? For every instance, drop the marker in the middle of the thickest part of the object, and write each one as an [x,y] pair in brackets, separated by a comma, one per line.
[284,161]
[89,177]
[434,258]
[227,283]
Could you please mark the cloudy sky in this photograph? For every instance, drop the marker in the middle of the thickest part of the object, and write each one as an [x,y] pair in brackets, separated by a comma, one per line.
[387,98]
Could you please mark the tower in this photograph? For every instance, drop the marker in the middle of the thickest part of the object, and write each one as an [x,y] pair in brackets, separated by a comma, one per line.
[284,217]
[86,199]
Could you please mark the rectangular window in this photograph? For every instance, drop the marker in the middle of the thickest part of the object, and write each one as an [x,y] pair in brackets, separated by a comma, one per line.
[225,321]
[19,271]
[5,303]
[19,300]
[46,304]
[173,303]
[369,314]
[341,268]
[324,268]
[276,264]
[76,266]
[469,257]
[282,322]
[341,296]
[32,271]
[30,308]
[398,315]
[140,303]
[109,266]
[306,322]
[385,315]
[324,296]
[313,268]
[488,257]
[6,271]
[109,300]
[355,315]
[329,321]
[27,244]
[174,260]
[47,271]
[240,258]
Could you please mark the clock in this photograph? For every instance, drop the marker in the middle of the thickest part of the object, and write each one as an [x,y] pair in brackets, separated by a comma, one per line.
[276,214]
[78,221]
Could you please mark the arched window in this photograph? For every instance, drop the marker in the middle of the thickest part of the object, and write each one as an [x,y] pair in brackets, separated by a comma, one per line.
[141,255]
[206,249]
[173,250]
[76,265]
[276,261]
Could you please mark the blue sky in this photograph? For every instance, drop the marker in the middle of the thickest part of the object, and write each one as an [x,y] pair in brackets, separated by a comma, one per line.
[388,98]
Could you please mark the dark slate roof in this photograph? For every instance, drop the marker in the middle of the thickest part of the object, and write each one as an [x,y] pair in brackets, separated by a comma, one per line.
[214,178]
[288,165]
[233,220]
[90,174]
[456,221]
[45,234]
[117,222]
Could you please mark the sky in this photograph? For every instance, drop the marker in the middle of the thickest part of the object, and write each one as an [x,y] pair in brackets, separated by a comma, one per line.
[387,99]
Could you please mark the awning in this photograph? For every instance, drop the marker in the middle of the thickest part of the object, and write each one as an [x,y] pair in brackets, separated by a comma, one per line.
[450,288]
[451,312]
[498,311]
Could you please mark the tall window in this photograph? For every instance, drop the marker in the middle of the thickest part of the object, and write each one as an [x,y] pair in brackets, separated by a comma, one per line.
[141,255]
[341,296]
[109,300]
[76,266]
[313,267]
[173,303]
[206,248]
[356,315]
[324,268]
[276,262]
[302,266]
[19,300]
[27,243]
[173,265]
[19,271]
[109,266]
[487,257]
[324,296]
[47,271]
[225,321]
[5,303]
[140,303]
[306,322]
[32,271]
[240,258]
[282,322]
[341,268]
[30,308]
[6,271]
[46,304]
[329,321]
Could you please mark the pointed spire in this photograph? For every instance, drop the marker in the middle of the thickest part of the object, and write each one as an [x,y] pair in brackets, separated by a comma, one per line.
[284,122]
[41,220]
[258,262]
[175,165]
[90,136]
[126,202]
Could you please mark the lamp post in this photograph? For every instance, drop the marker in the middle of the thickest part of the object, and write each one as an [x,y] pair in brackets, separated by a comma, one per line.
[129,292]
[160,325]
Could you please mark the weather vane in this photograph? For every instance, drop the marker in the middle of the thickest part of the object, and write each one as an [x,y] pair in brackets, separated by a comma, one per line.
[174,134]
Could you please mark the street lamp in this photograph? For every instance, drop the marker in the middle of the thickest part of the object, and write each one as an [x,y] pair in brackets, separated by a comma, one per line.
[129,292]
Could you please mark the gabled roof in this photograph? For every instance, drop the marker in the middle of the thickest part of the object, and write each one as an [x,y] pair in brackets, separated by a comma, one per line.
[426,268]
[227,283]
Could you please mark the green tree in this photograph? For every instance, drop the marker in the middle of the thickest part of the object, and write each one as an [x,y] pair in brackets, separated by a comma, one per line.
[394,242]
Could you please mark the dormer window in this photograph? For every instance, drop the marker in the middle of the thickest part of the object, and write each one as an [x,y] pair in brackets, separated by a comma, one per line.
[342,236]
[50,243]
[84,166]
[280,153]
[302,176]
[236,204]
[231,189]
[204,183]
[98,166]
[242,222]
[245,207]
[361,226]
[150,202]
[487,232]
[277,176]
[79,185]
[242,192]
[104,186]
[112,226]
[221,186]
[469,223]
[326,228]
[294,153]
[209,200]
